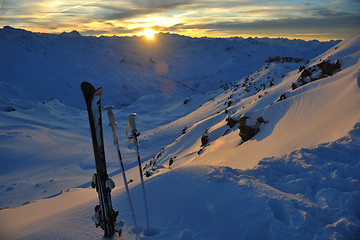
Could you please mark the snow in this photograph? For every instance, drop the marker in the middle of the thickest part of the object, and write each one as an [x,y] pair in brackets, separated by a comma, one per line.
[298,178]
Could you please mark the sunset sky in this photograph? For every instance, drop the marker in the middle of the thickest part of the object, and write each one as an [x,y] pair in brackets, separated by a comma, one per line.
[315,19]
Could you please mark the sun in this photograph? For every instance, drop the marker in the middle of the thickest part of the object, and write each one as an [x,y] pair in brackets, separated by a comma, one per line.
[148,33]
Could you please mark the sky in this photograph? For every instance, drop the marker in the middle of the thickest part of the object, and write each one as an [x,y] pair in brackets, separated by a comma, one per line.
[315,19]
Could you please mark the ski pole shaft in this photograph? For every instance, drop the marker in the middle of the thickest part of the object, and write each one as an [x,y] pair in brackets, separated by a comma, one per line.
[134,134]
[143,185]
[113,124]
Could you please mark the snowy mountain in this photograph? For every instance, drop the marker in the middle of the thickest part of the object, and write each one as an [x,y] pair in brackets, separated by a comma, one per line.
[57,64]
[296,178]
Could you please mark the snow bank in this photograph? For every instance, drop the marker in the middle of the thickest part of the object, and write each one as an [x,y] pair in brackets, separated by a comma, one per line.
[21,222]
[308,194]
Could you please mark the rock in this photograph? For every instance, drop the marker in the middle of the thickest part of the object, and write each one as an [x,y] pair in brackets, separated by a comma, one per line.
[282,97]
[171,161]
[231,122]
[204,140]
[319,71]
[247,131]
[328,69]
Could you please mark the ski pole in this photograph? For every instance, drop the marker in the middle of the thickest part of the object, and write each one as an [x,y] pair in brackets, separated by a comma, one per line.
[113,124]
[133,139]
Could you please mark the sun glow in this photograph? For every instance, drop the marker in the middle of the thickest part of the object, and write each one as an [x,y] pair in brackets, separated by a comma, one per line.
[148,33]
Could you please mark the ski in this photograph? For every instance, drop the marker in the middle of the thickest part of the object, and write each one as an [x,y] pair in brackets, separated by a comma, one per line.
[105,216]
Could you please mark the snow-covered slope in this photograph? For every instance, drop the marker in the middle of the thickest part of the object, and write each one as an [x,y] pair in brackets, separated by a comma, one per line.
[44,127]
[297,178]
[307,194]
[320,111]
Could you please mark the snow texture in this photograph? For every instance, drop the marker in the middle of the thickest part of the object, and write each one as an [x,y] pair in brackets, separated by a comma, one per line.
[297,178]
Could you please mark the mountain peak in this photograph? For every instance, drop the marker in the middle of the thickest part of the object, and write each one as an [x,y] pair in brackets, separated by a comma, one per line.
[73,33]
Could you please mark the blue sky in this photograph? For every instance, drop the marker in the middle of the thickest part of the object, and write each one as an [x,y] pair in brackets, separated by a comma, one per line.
[323,20]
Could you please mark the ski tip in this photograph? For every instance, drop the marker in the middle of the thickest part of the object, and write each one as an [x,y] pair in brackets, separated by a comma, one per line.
[89,91]
[87,88]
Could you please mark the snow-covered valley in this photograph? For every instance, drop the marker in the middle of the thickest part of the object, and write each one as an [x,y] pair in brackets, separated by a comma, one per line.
[297,178]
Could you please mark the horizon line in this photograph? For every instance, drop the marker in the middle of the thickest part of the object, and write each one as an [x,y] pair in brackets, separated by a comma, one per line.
[244,36]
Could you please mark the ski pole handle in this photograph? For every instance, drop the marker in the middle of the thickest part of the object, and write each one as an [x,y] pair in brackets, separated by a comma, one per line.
[132,125]
[113,123]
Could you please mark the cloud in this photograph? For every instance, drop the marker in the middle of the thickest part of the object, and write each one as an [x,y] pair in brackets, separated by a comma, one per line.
[296,23]
[161,4]
[138,8]
[202,17]
[123,14]
[306,28]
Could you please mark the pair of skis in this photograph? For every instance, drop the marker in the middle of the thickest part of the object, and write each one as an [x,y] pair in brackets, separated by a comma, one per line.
[105,216]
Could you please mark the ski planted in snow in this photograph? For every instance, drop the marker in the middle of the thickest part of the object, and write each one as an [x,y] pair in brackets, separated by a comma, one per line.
[105,216]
